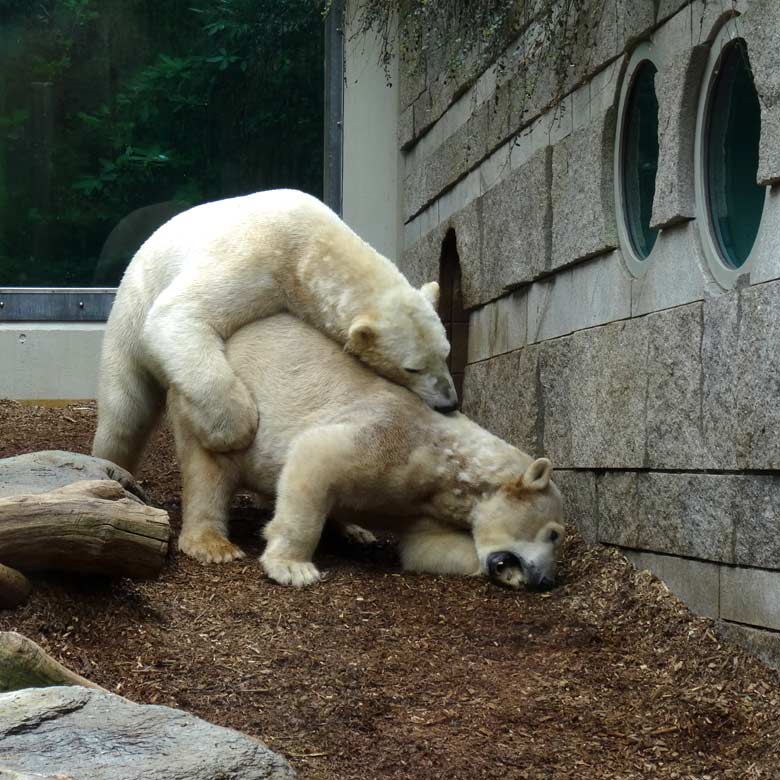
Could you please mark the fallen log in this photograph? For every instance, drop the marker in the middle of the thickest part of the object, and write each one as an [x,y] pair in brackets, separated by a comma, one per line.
[14,587]
[93,527]
[24,664]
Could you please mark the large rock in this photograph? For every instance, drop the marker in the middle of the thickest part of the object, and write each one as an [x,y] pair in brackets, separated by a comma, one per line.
[81,733]
[41,472]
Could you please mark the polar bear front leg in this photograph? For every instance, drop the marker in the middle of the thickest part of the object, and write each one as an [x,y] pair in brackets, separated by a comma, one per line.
[208,484]
[432,548]
[319,461]
[187,349]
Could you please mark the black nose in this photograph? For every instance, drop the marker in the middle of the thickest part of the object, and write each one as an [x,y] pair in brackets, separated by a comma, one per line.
[445,409]
[502,565]
[540,584]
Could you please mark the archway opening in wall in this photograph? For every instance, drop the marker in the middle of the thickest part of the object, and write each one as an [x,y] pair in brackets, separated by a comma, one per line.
[451,311]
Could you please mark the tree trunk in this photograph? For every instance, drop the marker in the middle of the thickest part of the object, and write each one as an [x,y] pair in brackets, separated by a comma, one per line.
[14,587]
[91,527]
[23,664]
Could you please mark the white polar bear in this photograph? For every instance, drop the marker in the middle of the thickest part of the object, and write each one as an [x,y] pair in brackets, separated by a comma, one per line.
[337,441]
[216,267]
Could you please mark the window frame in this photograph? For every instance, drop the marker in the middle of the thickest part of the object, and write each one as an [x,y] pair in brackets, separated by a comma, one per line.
[725,275]
[644,52]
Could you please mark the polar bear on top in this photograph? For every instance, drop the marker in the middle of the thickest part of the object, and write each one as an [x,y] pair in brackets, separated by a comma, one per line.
[214,268]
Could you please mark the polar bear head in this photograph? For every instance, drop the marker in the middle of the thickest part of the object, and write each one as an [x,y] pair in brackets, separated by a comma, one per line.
[517,530]
[403,339]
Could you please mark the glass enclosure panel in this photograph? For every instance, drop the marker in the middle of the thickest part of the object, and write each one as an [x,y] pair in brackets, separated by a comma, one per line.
[640,159]
[117,114]
[734,199]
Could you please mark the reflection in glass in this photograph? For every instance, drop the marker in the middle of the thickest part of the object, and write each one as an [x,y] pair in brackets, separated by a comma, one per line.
[117,114]
[733,119]
[640,159]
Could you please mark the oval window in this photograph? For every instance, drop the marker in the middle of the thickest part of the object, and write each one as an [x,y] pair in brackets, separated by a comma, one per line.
[640,159]
[733,129]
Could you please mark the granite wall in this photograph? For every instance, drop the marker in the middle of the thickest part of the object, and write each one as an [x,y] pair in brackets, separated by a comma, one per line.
[655,390]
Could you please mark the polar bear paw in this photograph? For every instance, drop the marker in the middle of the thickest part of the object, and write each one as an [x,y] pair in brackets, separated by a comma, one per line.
[357,534]
[230,423]
[209,546]
[296,573]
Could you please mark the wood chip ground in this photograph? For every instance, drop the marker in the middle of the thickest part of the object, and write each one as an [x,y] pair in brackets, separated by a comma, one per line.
[378,674]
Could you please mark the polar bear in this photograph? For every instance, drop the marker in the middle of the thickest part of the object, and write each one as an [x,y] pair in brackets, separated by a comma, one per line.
[338,441]
[213,268]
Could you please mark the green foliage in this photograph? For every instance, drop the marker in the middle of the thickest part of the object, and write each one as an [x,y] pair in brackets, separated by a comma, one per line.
[110,105]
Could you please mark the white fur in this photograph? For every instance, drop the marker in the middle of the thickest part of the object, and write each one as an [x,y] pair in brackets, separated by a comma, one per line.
[336,440]
[214,268]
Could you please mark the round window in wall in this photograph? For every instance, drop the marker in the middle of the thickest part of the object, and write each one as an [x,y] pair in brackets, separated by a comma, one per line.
[639,162]
[732,129]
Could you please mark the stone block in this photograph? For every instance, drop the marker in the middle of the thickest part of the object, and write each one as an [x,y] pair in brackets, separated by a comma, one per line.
[420,261]
[759,25]
[556,366]
[680,514]
[767,258]
[412,70]
[694,582]
[608,395]
[677,85]
[495,168]
[497,111]
[498,327]
[756,521]
[500,394]
[414,190]
[535,84]
[740,379]
[578,489]
[516,227]
[720,379]
[583,201]
[764,645]
[589,294]
[406,128]
[674,272]
[667,8]
[750,596]
[675,434]
[467,224]
[604,31]
[593,388]
[758,407]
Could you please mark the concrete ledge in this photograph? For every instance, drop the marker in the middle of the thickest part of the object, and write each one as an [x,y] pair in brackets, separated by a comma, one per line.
[694,582]
[51,361]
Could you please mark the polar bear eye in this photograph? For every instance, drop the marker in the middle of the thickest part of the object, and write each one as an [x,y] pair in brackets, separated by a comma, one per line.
[413,370]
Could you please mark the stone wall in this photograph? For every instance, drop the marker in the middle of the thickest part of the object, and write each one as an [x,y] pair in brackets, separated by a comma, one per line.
[655,392]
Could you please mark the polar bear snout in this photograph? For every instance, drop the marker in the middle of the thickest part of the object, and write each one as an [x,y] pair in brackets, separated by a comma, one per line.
[510,570]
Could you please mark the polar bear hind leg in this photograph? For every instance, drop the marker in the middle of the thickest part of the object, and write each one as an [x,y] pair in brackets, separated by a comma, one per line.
[208,484]
[130,404]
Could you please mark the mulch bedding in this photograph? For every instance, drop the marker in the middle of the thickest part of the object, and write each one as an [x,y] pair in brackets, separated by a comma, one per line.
[378,673]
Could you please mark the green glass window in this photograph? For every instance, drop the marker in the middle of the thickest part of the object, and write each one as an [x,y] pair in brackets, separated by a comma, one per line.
[640,159]
[117,114]
[734,200]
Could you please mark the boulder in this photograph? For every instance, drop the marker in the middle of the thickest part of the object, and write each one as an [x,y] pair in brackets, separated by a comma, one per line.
[80,733]
[42,472]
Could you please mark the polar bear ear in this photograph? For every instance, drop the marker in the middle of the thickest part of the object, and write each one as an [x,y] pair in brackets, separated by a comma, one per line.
[361,335]
[537,475]
[431,292]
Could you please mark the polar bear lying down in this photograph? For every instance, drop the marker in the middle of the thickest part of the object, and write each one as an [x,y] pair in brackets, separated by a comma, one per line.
[218,266]
[338,442]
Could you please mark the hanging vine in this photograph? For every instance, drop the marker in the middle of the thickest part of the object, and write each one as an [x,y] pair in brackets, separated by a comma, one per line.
[455,34]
